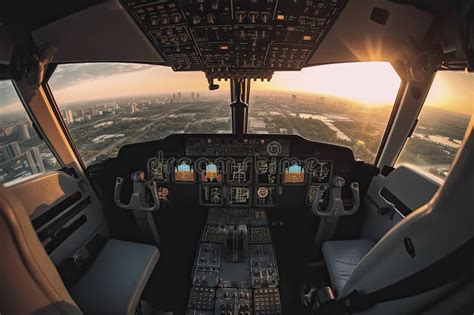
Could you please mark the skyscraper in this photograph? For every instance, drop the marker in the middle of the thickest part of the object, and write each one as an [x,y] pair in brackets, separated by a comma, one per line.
[133,105]
[10,151]
[35,161]
[22,132]
[68,116]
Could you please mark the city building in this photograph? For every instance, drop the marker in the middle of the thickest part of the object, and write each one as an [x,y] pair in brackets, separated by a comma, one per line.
[68,116]
[133,106]
[35,161]
[22,132]
[10,151]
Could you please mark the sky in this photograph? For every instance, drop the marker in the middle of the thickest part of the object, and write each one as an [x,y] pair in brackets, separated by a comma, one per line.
[372,83]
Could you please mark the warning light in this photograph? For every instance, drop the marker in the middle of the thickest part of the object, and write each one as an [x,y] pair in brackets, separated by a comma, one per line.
[280,17]
[307,37]
[224,47]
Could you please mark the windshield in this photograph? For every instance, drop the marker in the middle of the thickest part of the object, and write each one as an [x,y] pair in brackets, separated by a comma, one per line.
[347,104]
[107,105]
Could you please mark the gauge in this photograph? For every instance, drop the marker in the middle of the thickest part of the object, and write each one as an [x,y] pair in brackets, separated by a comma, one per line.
[158,170]
[211,195]
[215,195]
[321,172]
[265,196]
[262,192]
[163,193]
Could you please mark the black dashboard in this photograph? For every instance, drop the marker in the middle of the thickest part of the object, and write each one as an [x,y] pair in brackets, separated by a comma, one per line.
[235,38]
[236,170]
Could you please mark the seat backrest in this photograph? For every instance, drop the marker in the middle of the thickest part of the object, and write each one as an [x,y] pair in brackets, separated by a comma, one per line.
[30,283]
[435,230]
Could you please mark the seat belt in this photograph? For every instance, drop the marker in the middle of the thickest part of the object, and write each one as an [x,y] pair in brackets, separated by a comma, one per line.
[456,266]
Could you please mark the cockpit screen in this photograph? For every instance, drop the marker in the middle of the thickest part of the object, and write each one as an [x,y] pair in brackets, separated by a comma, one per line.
[158,170]
[240,171]
[267,171]
[211,172]
[293,173]
[321,172]
[184,171]
[239,196]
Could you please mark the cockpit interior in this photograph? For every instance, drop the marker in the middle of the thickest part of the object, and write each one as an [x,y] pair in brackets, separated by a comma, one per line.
[237,157]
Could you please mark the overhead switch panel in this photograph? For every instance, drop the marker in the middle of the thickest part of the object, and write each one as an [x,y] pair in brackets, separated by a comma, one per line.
[235,38]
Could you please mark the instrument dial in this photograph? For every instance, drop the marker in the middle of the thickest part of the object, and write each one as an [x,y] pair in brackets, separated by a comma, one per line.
[321,172]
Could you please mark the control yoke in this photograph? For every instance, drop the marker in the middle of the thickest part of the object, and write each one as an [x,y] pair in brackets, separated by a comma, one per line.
[139,204]
[138,200]
[335,207]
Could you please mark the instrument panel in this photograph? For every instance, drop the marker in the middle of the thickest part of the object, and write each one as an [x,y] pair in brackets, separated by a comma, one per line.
[235,38]
[238,171]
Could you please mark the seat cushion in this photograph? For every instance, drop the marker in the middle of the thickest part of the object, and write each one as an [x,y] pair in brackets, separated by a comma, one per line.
[342,257]
[114,282]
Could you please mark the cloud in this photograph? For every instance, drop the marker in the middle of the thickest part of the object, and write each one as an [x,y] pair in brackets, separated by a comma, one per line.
[72,74]
[8,94]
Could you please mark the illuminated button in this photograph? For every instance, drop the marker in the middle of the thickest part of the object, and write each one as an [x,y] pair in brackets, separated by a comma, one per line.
[280,17]
[307,37]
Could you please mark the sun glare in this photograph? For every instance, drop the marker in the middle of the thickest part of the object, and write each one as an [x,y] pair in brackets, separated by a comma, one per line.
[372,83]
[369,83]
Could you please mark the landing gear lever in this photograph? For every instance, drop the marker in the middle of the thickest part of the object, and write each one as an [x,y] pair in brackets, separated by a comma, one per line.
[139,204]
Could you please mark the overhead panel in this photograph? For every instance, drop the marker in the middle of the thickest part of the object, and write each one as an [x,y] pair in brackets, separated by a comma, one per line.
[235,38]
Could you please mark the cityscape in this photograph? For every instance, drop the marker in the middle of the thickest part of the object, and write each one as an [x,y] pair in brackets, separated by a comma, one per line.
[99,128]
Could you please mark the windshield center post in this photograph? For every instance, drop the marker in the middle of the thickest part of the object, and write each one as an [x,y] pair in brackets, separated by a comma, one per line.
[240,93]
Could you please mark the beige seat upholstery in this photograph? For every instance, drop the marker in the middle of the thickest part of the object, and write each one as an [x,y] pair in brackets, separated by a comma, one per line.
[30,283]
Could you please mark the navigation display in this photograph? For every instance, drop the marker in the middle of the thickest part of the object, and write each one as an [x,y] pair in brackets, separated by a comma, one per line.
[240,171]
[267,171]
[158,170]
[211,195]
[293,173]
[239,196]
[184,171]
[211,172]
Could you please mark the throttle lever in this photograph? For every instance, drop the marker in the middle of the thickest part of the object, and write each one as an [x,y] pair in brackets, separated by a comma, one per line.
[138,200]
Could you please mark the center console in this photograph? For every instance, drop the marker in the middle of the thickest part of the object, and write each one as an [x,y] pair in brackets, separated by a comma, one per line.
[235,271]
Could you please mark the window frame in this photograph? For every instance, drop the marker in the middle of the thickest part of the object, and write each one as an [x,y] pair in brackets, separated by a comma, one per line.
[60,119]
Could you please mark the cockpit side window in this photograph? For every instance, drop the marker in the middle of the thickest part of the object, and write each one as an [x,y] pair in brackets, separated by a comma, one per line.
[23,154]
[441,124]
